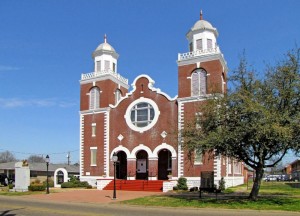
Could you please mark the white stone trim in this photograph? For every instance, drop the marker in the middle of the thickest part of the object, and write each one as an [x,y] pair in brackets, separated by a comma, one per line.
[232,181]
[128,114]
[217,168]
[150,86]
[65,172]
[203,58]
[120,148]
[81,145]
[165,146]
[139,148]
[180,139]
[94,111]
[106,143]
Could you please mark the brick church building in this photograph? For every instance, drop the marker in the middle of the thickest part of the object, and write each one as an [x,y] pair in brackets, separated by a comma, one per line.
[142,125]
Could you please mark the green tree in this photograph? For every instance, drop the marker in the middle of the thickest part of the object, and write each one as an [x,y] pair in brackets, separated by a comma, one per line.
[257,122]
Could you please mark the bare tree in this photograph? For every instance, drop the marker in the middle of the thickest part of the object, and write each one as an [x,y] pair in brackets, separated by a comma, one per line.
[36,159]
[7,156]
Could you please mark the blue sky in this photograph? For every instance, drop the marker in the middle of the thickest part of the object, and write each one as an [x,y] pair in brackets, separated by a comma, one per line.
[46,45]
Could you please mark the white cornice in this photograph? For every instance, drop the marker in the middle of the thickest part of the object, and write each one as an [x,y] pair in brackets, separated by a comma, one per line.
[198,98]
[95,111]
[204,58]
[103,78]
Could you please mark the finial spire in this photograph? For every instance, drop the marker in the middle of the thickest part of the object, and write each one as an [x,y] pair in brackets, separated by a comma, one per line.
[201,15]
[105,38]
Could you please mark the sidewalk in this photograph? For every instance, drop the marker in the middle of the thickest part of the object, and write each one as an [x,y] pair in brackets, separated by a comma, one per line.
[89,195]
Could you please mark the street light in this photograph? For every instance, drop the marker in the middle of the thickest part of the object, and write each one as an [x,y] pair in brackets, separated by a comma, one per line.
[47,164]
[115,160]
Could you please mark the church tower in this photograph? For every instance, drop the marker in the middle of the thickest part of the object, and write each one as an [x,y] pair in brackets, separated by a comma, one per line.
[104,86]
[201,73]
[202,70]
[99,91]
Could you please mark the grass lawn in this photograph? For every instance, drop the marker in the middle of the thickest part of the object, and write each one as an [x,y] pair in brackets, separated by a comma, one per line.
[273,196]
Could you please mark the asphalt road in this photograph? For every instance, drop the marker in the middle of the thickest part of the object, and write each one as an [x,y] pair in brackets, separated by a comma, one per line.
[16,206]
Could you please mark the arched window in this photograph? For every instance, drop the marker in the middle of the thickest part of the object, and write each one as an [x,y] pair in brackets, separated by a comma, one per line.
[118,95]
[94,98]
[199,82]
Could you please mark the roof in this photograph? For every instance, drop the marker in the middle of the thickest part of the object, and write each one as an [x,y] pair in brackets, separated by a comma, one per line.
[105,48]
[295,161]
[41,167]
[204,25]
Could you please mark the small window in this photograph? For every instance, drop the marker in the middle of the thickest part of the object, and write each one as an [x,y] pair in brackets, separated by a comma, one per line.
[118,95]
[106,65]
[191,47]
[114,67]
[237,167]
[94,98]
[223,83]
[209,44]
[98,66]
[93,129]
[229,166]
[198,119]
[198,157]
[199,44]
[93,156]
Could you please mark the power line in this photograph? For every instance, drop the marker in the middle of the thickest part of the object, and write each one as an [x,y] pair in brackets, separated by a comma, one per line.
[30,153]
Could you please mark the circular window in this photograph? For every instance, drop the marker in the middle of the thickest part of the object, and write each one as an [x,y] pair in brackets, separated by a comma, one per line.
[142,114]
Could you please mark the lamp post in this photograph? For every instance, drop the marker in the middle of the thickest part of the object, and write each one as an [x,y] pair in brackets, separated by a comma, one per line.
[47,164]
[115,160]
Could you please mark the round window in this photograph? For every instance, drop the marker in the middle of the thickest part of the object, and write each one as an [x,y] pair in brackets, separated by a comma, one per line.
[142,114]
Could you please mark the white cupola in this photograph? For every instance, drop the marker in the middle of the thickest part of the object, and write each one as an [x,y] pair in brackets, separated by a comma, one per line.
[202,36]
[105,57]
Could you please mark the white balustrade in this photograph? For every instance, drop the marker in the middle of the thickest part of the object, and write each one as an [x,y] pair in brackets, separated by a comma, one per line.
[102,73]
[188,55]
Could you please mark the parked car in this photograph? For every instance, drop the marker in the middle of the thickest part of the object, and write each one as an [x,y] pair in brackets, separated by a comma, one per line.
[272,177]
[4,179]
[283,177]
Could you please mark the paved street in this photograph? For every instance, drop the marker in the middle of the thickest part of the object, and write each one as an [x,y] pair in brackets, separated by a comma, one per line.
[15,206]
[33,205]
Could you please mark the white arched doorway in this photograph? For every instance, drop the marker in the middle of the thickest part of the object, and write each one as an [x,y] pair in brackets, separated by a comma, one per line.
[60,176]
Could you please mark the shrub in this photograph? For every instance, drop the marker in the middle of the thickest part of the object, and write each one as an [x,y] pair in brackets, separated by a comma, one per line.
[36,187]
[36,181]
[74,182]
[10,186]
[193,189]
[68,185]
[222,184]
[175,188]
[50,182]
[181,184]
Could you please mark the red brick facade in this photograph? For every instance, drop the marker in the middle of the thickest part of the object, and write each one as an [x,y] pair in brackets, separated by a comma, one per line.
[143,126]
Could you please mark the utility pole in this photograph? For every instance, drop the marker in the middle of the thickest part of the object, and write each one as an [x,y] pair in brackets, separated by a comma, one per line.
[68,156]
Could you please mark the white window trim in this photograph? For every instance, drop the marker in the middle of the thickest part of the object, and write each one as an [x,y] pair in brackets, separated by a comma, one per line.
[198,162]
[93,148]
[93,129]
[128,114]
